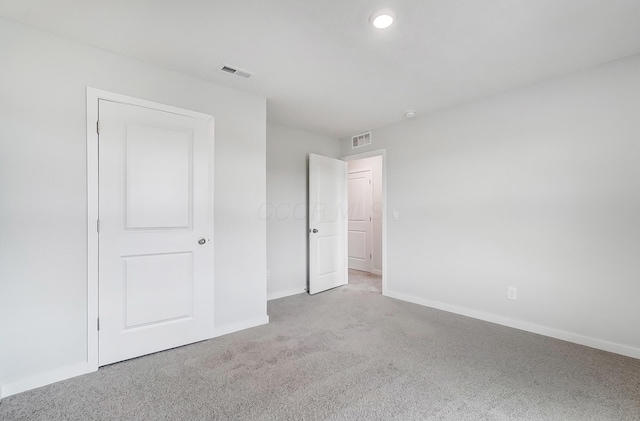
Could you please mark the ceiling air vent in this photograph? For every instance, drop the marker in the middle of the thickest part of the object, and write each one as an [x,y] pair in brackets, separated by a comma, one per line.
[236,71]
[361,140]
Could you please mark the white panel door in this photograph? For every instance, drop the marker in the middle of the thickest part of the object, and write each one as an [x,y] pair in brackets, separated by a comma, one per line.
[360,220]
[156,223]
[327,223]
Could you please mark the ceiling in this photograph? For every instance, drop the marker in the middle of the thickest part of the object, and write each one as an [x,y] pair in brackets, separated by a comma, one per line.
[325,69]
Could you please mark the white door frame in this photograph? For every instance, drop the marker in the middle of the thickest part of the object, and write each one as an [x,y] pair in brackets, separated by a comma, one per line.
[93,96]
[383,154]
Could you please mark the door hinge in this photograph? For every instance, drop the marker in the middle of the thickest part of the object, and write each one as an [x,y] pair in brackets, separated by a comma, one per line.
[98,127]
[98,323]
[370,219]
[98,226]
[370,256]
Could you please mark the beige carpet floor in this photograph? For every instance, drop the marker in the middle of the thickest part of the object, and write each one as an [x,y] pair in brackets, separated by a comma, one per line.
[352,354]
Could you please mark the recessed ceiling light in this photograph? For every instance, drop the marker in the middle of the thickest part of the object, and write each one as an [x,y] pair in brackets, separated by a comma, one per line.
[410,114]
[382,19]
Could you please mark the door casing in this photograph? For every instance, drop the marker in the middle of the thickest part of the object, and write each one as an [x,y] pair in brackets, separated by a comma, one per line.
[383,154]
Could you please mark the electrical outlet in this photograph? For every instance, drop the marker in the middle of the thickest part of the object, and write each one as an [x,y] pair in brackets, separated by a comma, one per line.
[512,293]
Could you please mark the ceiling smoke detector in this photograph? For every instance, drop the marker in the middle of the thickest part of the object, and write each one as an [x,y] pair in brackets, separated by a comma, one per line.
[410,114]
[236,71]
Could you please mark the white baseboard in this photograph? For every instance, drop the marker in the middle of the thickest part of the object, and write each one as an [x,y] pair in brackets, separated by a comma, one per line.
[522,325]
[43,379]
[287,293]
[225,330]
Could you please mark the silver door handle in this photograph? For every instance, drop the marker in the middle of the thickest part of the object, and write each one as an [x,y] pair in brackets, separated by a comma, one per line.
[315,230]
[201,240]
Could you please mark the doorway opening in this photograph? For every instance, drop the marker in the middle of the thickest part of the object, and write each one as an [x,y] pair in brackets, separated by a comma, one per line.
[366,199]
[328,231]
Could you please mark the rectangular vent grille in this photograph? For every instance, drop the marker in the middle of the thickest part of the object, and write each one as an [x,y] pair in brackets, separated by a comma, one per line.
[361,140]
[236,71]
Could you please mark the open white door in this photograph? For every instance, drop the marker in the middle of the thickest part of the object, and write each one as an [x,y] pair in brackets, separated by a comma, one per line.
[156,222]
[327,223]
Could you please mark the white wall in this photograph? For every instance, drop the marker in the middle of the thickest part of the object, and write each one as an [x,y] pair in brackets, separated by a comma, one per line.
[43,199]
[537,188]
[286,208]
[375,165]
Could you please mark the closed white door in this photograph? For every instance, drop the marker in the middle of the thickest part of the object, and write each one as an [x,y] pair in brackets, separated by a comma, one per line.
[327,223]
[156,226]
[360,220]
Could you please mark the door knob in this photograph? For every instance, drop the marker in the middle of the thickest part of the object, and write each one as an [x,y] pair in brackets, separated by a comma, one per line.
[201,240]
[315,230]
